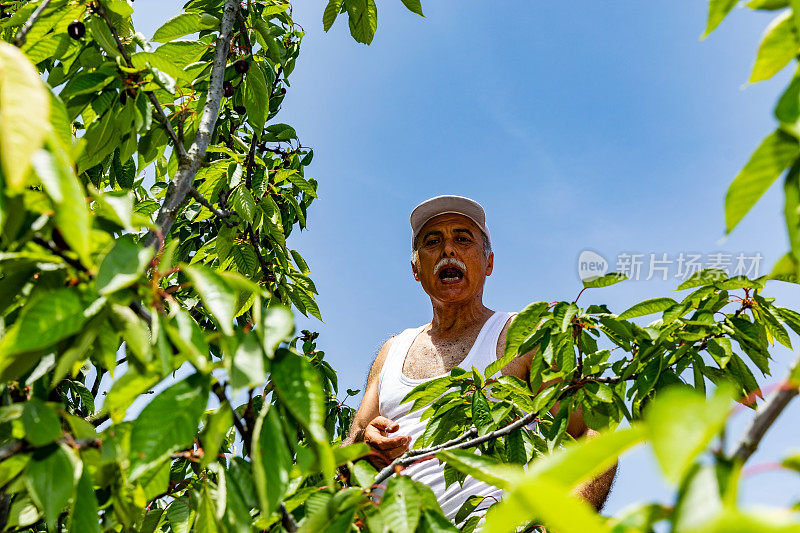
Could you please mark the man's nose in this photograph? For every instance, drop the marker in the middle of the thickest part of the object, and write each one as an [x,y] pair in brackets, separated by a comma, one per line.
[448,249]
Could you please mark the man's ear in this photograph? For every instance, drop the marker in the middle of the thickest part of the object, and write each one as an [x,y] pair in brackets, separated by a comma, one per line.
[414,270]
[489,264]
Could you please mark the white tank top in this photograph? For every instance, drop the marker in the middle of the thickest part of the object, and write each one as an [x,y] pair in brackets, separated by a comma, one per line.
[393,386]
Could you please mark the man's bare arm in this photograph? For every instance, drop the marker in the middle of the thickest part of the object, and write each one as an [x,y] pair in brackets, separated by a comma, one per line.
[596,491]
[369,403]
[371,428]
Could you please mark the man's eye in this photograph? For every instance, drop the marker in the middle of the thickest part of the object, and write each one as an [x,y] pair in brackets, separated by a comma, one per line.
[430,242]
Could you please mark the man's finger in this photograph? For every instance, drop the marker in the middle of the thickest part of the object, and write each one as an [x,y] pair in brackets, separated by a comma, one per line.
[384,424]
[386,443]
[394,453]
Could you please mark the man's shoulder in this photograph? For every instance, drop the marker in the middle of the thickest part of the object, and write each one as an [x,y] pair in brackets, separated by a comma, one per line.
[501,339]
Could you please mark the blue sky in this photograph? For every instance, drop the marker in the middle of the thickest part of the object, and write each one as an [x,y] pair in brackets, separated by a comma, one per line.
[578,125]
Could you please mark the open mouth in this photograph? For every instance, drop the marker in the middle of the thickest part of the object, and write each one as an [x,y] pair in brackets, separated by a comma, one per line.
[450,274]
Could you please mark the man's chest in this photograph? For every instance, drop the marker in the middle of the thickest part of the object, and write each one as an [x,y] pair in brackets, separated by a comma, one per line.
[429,357]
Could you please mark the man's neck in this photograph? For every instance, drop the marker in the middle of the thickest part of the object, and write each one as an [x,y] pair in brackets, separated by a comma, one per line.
[454,318]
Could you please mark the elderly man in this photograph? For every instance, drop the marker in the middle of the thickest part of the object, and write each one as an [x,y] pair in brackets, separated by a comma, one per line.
[451,258]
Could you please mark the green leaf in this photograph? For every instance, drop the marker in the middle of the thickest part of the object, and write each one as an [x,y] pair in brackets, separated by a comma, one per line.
[100,139]
[24,115]
[522,325]
[363,19]
[481,413]
[69,199]
[48,317]
[272,461]
[707,276]
[779,45]
[303,184]
[244,203]
[217,295]
[607,280]
[791,318]
[549,503]
[401,504]
[425,393]
[415,6]
[791,213]
[300,391]
[432,522]
[185,24]
[717,11]
[85,83]
[681,423]
[776,152]
[482,468]
[123,265]
[256,96]
[84,508]
[584,460]
[120,7]
[179,516]
[331,12]
[648,307]
[768,4]
[205,521]
[125,390]
[134,331]
[41,423]
[218,423]
[102,35]
[51,476]
[277,324]
[167,423]
[247,365]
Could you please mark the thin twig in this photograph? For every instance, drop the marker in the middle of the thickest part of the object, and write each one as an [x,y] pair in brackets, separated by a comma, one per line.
[223,214]
[162,117]
[179,186]
[243,33]
[219,391]
[53,249]
[251,158]
[19,40]
[287,520]
[766,416]
[11,449]
[460,444]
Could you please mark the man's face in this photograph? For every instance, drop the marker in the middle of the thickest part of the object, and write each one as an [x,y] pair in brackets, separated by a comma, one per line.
[451,264]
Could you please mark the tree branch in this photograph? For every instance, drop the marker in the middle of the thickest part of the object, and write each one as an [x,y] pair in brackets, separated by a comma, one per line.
[179,186]
[19,40]
[766,416]
[461,442]
[223,214]
[162,117]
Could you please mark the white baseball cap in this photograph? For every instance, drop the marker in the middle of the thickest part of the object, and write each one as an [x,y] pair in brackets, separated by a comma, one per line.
[439,205]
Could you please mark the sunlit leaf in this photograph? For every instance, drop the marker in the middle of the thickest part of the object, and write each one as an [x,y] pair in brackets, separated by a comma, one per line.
[680,425]
[776,152]
[779,45]
[24,115]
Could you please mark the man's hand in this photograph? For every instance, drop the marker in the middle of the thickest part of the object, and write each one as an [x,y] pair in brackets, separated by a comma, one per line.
[385,449]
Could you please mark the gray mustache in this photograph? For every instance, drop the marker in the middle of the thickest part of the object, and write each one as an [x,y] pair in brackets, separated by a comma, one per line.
[448,261]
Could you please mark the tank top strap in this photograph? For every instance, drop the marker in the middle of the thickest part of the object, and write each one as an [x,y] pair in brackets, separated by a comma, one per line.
[486,351]
[393,365]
